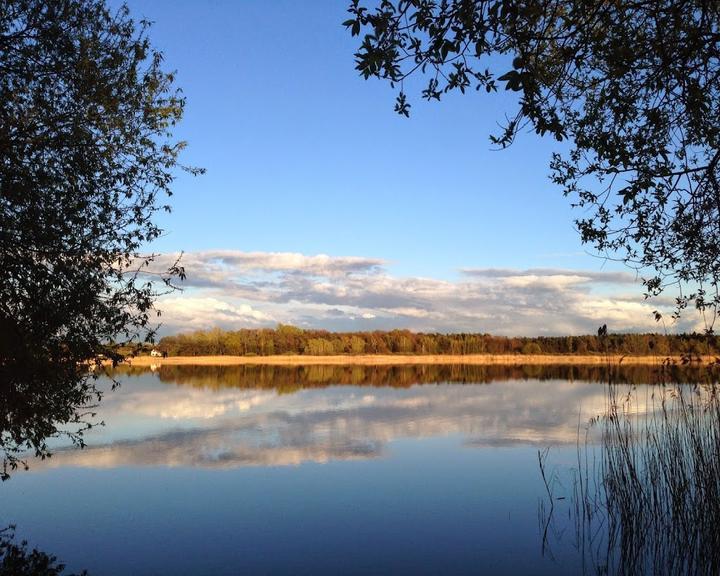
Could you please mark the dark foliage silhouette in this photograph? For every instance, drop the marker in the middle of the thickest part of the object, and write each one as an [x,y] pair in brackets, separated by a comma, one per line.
[17,560]
[633,86]
[86,160]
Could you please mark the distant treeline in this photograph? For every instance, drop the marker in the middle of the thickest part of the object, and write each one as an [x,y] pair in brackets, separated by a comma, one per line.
[292,340]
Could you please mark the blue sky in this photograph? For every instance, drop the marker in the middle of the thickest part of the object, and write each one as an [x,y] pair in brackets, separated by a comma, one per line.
[303,157]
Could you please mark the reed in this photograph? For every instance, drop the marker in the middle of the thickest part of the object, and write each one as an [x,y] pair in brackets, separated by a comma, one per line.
[646,499]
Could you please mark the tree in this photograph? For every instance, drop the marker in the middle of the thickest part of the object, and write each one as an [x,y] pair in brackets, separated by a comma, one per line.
[634,85]
[86,160]
[16,559]
[531,348]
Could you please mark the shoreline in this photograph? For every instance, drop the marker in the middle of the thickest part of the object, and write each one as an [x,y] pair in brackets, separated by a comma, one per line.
[404,360]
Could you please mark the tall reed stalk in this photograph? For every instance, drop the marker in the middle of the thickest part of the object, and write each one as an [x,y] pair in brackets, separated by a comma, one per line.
[646,500]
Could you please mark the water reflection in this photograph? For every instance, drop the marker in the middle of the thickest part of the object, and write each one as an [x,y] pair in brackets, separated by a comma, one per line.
[324,470]
[288,379]
[248,416]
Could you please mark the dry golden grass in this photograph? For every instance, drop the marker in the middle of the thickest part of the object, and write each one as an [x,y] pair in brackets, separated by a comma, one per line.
[386,359]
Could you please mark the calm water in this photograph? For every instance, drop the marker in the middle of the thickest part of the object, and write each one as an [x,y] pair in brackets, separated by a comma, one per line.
[314,471]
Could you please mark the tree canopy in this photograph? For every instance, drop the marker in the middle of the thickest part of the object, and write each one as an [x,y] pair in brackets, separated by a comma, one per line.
[633,85]
[292,340]
[87,159]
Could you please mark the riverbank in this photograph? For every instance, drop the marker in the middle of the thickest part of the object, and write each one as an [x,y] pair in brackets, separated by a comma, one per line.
[392,359]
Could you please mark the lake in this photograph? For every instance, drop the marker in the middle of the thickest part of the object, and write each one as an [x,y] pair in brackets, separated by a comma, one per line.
[325,470]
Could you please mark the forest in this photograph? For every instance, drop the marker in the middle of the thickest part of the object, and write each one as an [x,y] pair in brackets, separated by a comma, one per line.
[286,339]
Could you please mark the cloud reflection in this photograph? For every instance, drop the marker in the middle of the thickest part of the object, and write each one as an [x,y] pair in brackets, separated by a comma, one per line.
[229,427]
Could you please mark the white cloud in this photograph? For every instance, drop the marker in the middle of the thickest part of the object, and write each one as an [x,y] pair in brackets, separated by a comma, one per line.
[234,289]
[217,266]
[582,276]
[185,311]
